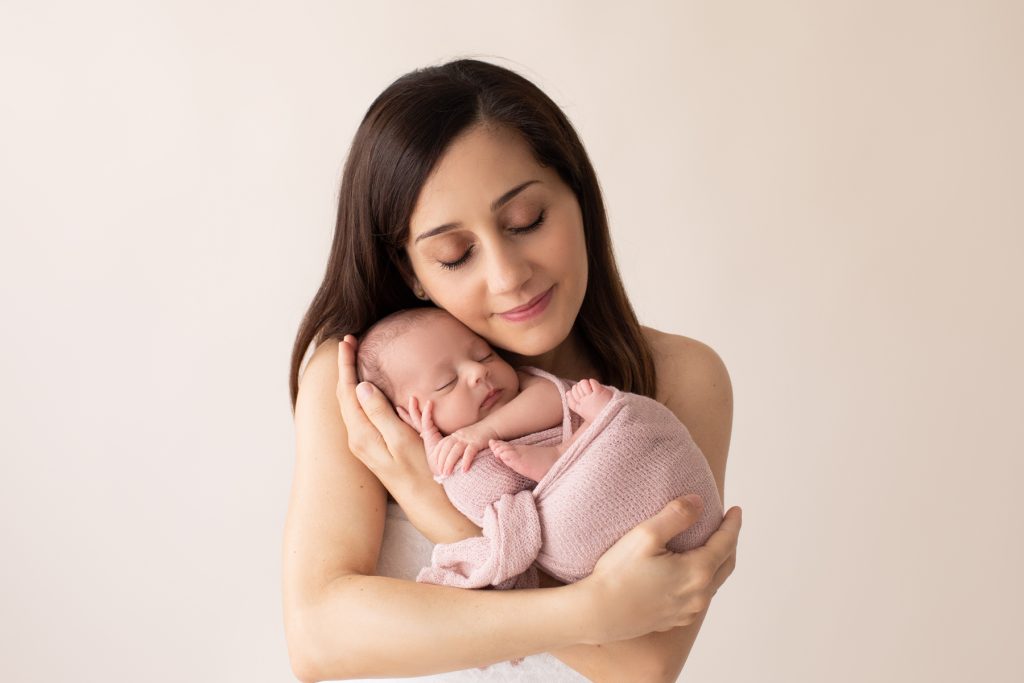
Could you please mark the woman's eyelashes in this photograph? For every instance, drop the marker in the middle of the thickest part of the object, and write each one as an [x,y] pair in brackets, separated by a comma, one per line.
[452,265]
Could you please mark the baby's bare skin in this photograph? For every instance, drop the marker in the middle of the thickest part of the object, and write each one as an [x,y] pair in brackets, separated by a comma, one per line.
[586,398]
[462,397]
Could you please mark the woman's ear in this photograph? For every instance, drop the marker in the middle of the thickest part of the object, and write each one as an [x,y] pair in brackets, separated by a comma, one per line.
[418,290]
[411,281]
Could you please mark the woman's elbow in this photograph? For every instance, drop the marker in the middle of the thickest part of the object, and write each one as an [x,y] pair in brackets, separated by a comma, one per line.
[659,670]
[299,649]
[302,672]
[303,652]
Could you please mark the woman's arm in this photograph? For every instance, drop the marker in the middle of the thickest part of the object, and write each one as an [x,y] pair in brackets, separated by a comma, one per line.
[340,622]
[695,385]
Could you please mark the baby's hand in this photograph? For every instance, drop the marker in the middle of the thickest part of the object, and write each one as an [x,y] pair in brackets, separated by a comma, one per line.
[464,443]
[422,422]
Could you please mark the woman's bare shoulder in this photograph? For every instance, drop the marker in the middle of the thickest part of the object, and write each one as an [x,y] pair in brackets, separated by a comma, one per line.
[694,384]
[687,369]
[322,365]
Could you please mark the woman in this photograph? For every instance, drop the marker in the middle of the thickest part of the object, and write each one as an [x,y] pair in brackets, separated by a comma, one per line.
[467,188]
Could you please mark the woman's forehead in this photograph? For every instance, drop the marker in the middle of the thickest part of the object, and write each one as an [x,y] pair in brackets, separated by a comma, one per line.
[473,175]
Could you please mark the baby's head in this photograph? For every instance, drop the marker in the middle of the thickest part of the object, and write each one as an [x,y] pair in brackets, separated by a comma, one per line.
[428,354]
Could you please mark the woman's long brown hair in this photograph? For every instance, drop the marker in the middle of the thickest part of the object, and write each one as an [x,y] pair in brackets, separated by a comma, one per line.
[403,135]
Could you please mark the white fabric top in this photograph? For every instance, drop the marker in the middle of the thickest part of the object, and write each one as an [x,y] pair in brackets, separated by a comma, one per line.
[404,552]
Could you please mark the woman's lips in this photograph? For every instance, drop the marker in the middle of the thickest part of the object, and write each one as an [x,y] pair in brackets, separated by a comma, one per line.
[491,399]
[531,309]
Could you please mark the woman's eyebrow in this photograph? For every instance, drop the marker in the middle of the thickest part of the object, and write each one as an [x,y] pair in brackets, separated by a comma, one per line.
[495,205]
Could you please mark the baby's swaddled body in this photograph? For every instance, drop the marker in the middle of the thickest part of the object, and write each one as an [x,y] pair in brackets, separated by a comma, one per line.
[625,466]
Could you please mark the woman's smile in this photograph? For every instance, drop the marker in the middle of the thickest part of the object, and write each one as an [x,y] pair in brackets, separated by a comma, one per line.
[531,309]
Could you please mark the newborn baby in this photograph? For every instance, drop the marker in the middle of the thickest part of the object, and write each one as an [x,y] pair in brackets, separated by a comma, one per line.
[440,374]
[560,470]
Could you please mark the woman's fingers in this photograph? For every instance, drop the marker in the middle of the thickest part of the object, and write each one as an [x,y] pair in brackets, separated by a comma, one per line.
[723,573]
[722,544]
[673,519]
[356,423]
[382,416]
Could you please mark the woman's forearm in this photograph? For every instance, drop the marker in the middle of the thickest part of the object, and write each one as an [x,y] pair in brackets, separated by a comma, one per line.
[657,657]
[434,516]
[365,626]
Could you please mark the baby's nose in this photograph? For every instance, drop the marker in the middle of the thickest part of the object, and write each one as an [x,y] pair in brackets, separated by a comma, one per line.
[479,372]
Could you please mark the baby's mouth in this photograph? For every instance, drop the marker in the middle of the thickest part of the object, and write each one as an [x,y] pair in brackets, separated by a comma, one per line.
[490,399]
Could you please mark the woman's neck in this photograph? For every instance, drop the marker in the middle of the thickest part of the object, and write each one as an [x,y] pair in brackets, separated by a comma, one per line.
[569,360]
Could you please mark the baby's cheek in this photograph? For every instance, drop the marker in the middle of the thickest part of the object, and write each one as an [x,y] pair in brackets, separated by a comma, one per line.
[443,418]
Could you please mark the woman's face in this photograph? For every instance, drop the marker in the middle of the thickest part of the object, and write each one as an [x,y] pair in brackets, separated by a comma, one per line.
[493,231]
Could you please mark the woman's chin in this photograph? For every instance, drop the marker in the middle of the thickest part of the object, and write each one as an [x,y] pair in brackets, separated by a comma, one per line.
[531,343]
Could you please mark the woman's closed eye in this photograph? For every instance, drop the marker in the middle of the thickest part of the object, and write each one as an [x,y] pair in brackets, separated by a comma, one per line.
[452,265]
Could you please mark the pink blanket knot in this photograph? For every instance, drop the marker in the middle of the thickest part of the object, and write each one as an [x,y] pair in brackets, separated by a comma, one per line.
[502,557]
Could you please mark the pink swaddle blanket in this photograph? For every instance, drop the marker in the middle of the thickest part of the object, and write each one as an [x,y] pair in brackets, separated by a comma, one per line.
[626,466]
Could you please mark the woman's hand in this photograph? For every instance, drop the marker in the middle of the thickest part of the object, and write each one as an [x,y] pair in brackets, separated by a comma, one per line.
[638,586]
[389,447]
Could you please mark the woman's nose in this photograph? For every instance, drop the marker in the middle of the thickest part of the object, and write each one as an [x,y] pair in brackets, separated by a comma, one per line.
[507,270]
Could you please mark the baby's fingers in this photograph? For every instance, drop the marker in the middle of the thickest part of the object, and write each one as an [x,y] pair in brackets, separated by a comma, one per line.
[454,455]
[446,458]
[467,459]
[429,432]
[414,414]
[444,453]
[434,456]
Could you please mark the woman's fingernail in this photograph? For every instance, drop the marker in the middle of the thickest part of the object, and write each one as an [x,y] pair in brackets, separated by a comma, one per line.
[694,499]
[363,390]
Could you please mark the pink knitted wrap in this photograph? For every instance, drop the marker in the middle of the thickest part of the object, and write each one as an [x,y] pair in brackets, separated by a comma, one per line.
[629,462]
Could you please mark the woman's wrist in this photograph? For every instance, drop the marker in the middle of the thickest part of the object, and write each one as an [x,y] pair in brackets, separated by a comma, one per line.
[579,606]
[430,511]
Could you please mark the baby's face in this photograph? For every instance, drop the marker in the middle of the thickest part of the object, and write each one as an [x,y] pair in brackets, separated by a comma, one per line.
[441,360]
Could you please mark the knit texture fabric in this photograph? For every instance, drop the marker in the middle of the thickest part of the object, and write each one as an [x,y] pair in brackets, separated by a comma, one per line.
[628,463]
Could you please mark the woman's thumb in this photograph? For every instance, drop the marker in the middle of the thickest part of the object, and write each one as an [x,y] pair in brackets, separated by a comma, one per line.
[676,517]
[370,400]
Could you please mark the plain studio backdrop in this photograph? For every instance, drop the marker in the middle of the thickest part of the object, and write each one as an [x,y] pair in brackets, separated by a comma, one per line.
[827,193]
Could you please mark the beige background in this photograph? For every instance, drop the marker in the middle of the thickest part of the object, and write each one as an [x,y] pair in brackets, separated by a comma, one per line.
[827,193]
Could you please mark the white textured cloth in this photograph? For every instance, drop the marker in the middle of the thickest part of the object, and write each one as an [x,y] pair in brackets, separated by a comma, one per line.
[404,552]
